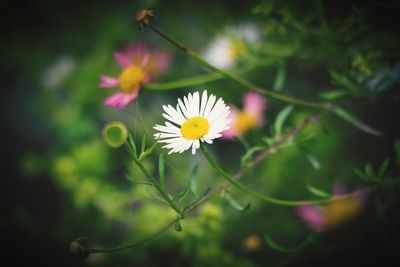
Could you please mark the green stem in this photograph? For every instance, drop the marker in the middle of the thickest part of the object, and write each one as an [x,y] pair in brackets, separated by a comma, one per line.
[107,250]
[237,78]
[157,186]
[253,193]
[195,80]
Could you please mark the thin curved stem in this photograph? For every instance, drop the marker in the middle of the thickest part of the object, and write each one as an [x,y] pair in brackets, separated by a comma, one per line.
[194,80]
[249,191]
[157,186]
[141,242]
[247,84]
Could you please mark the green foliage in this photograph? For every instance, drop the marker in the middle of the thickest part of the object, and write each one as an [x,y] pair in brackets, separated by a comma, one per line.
[299,52]
[356,122]
[236,205]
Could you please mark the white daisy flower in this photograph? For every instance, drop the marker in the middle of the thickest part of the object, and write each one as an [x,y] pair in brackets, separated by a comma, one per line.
[225,50]
[193,120]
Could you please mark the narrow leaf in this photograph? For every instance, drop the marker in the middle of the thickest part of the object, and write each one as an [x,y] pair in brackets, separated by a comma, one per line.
[157,196]
[313,161]
[237,206]
[318,192]
[193,181]
[178,226]
[182,195]
[249,155]
[200,197]
[383,168]
[369,170]
[280,248]
[147,152]
[161,171]
[132,145]
[356,122]
[333,95]
[280,77]
[360,173]
[268,140]
[280,119]
[143,147]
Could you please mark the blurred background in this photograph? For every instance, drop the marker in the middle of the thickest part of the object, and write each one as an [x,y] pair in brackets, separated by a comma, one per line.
[61,181]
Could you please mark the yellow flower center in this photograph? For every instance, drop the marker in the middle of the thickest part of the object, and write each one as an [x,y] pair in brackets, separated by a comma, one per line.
[244,122]
[195,128]
[130,78]
[237,49]
[342,210]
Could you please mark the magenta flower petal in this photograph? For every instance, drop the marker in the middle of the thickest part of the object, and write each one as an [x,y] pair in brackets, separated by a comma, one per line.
[108,82]
[137,52]
[145,59]
[313,216]
[231,133]
[123,59]
[162,61]
[255,104]
[120,100]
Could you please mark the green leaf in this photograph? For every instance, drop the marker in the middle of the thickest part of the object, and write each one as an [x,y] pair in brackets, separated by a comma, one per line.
[360,173]
[193,181]
[178,226]
[280,77]
[383,168]
[280,119]
[333,95]
[369,171]
[318,192]
[147,152]
[235,204]
[268,140]
[157,196]
[161,171]
[356,122]
[143,147]
[200,197]
[249,155]
[132,145]
[280,248]
[183,194]
[313,161]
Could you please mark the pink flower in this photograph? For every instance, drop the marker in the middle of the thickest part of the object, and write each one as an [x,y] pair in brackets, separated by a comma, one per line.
[251,117]
[334,213]
[139,66]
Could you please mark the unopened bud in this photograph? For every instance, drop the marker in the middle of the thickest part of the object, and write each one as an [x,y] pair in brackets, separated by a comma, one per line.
[76,248]
[115,134]
[144,16]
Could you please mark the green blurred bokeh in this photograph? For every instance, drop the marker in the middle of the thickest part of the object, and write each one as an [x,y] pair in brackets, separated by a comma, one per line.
[62,182]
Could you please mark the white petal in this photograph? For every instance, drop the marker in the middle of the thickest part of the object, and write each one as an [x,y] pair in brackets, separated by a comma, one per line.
[203,103]
[173,115]
[210,103]
[196,104]
[183,108]
[166,129]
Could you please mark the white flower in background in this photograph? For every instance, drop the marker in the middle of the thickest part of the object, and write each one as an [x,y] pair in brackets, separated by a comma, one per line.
[193,120]
[226,49]
[56,73]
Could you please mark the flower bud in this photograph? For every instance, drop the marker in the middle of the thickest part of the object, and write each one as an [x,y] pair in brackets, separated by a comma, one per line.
[76,248]
[143,17]
[115,134]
